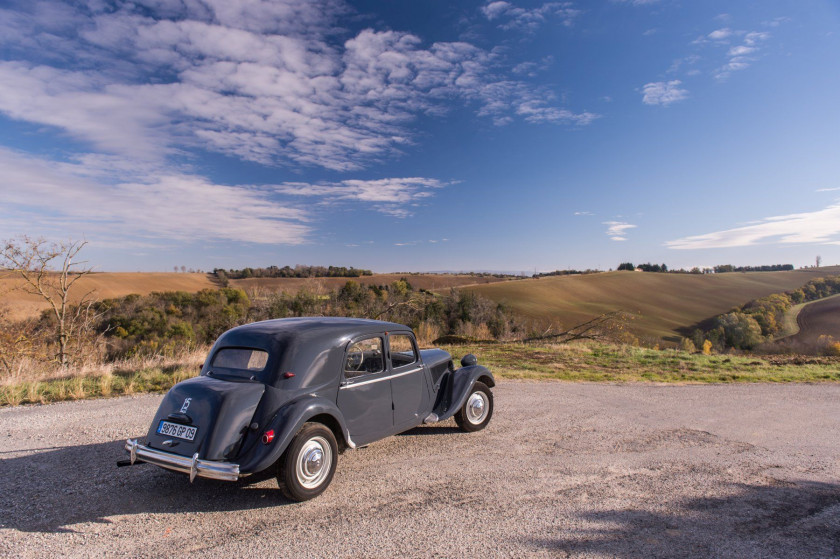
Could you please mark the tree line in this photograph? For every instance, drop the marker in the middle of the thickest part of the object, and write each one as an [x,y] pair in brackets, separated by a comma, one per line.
[299,271]
[719,269]
[647,267]
[724,268]
[565,273]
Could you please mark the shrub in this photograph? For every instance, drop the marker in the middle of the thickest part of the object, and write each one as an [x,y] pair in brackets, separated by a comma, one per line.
[687,345]
[740,330]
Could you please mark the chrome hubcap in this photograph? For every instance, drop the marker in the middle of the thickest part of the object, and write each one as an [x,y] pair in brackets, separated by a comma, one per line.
[477,407]
[314,462]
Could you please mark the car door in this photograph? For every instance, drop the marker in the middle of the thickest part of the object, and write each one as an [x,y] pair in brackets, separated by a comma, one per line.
[408,382]
[364,396]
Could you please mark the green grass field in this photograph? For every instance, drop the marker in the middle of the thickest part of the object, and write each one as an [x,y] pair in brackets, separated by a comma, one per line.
[582,361]
[623,363]
[661,304]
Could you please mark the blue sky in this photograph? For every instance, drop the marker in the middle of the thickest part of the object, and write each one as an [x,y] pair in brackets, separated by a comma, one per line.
[418,136]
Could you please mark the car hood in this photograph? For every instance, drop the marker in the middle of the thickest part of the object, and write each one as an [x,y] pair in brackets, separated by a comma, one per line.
[220,410]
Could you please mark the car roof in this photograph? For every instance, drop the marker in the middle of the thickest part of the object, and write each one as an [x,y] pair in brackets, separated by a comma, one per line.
[328,330]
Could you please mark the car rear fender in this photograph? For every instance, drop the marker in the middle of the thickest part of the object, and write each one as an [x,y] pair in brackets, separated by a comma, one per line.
[461,386]
[286,424]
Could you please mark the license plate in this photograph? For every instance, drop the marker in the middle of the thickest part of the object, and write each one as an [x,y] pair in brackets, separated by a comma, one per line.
[176,430]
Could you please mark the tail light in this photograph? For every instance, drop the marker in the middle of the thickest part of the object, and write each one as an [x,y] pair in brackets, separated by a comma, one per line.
[268,436]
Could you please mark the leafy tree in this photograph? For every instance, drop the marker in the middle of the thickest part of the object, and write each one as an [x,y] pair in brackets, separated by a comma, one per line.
[740,330]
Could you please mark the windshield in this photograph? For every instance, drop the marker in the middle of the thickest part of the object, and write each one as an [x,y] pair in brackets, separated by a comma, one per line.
[241,358]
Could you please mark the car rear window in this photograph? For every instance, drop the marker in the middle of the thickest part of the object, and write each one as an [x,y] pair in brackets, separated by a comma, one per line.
[246,359]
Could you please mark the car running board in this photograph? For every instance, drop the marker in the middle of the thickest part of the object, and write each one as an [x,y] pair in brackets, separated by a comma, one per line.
[431,418]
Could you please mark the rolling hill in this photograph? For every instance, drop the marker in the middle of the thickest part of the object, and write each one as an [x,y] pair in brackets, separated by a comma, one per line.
[431,282]
[662,304]
[117,284]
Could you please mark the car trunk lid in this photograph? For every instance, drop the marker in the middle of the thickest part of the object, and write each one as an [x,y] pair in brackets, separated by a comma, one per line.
[214,413]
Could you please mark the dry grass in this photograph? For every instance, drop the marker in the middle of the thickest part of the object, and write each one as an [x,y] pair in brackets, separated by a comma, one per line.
[661,304]
[37,384]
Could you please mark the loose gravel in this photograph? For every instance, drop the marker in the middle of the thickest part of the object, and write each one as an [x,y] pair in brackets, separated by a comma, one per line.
[563,470]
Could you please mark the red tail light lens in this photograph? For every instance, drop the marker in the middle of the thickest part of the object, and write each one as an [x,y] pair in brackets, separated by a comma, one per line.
[268,436]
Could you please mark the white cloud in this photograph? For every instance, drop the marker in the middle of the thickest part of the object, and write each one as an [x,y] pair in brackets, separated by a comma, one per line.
[828,189]
[536,111]
[720,34]
[738,55]
[740,50]
[261,81]
[616,230]
[755,37]
[388,196]
[110,199]
[512,17]
[685,61]
[152,203]
[531,69]
[663,93]
[638,2]
[584,213]
[818,227]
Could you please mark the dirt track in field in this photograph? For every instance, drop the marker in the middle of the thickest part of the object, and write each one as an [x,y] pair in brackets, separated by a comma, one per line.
[821,318]
[563,470]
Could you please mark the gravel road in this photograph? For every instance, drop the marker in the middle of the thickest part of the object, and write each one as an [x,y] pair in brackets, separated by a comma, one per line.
[564,469]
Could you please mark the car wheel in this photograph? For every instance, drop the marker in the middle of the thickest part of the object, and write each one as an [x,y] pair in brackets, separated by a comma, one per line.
[308,465]
[477,410]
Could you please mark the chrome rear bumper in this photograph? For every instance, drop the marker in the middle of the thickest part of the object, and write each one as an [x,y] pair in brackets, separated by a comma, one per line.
[226,471]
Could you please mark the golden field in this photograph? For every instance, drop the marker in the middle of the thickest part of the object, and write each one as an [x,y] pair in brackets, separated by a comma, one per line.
[662,305]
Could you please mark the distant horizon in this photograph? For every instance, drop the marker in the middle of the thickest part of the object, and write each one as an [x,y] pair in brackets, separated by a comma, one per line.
[527,273]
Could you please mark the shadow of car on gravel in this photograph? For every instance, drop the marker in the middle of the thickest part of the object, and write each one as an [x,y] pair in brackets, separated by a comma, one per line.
[432,430]
[782,519]
[54,488]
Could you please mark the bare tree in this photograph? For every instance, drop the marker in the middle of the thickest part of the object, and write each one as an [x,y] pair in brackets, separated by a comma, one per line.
[819,261]
[599,328]
[49,271]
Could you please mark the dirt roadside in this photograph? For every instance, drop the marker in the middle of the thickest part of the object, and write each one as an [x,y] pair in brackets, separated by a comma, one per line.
[564,469]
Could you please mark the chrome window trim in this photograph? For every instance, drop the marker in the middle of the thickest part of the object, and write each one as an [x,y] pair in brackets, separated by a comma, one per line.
[389,377]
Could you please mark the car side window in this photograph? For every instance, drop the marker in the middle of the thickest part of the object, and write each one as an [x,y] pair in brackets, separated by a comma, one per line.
[402,350]
[364,357]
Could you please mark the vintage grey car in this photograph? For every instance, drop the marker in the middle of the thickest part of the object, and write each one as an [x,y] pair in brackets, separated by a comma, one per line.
[285,397]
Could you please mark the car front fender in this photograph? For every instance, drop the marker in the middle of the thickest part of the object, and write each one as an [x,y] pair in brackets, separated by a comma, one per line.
[286,424]
[462,384]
